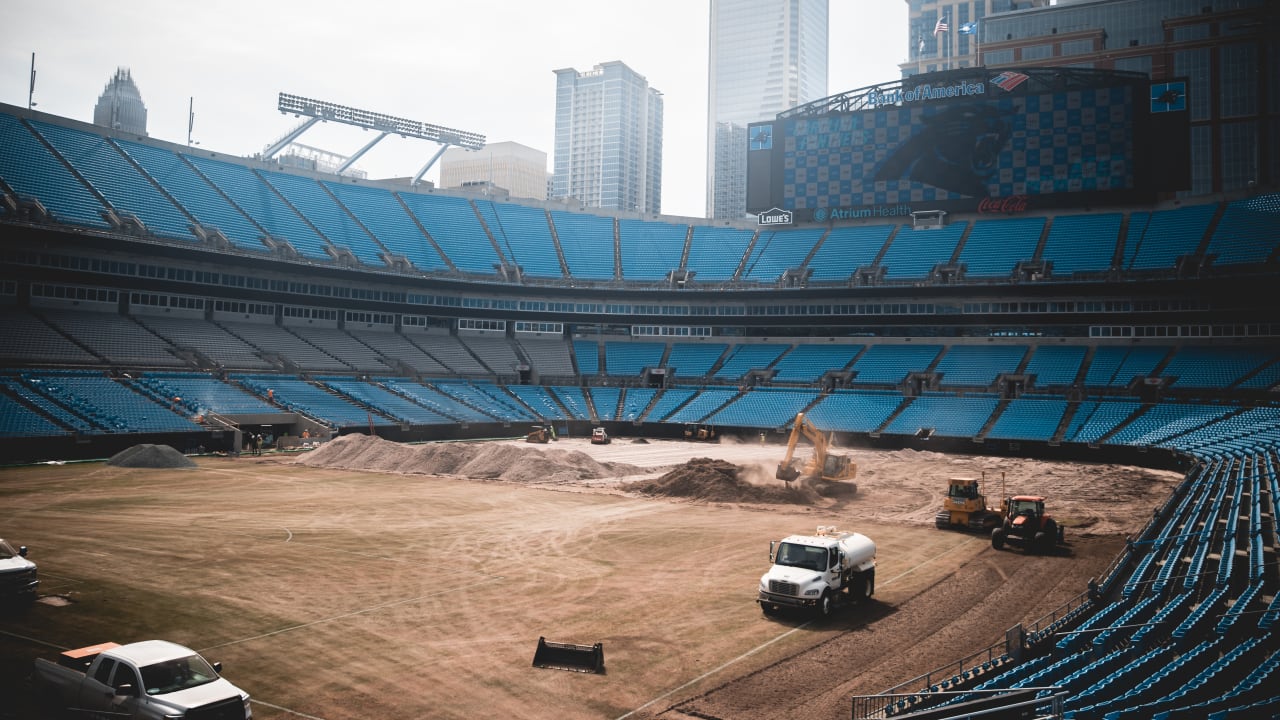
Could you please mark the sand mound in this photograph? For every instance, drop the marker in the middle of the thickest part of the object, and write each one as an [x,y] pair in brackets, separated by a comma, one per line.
[479,461]
[720,481]
[150,456]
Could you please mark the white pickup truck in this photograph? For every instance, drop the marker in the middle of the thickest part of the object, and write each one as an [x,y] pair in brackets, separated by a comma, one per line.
[17,573]
[822,571]
[149,680]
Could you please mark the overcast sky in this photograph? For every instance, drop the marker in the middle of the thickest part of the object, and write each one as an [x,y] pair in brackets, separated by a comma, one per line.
[479,66]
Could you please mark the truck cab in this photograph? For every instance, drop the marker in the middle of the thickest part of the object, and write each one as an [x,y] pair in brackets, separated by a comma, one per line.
[149,680]
[818,572]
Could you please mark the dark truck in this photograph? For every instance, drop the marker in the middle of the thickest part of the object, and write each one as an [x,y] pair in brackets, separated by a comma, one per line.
[149,680]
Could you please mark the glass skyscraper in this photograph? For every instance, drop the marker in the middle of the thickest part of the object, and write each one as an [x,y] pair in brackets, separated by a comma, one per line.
[120,105]
[766,56]
[608,150]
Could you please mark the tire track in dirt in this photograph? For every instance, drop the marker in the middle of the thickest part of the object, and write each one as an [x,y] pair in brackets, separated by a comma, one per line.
[879,645]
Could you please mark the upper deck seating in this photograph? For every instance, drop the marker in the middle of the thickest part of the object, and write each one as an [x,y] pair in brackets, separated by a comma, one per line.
[319,207]
[847,248]
[1082,243]
[777,251]
[102,165]
[194,194]
[28,167]
[452,223]
[587,243]
[995,247]
[1246,232]
[716,252]
[383,215]
[248,190]
[525,238]
[1156,240]
[650,249]
[914,253]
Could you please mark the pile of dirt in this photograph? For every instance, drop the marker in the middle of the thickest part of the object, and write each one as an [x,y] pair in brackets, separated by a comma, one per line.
[478,461]
[151,456]
[721,481]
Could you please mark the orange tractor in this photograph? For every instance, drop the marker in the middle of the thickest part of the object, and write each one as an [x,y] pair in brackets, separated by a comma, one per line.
[1026,523]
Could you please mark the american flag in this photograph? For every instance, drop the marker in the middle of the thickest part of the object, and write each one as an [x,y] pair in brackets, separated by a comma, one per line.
[941,27]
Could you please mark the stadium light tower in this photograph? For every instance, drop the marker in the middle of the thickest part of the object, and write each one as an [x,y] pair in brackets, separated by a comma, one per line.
[318,110]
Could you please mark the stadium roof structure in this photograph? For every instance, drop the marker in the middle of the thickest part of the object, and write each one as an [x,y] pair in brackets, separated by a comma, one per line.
[322,110]
[1019,81]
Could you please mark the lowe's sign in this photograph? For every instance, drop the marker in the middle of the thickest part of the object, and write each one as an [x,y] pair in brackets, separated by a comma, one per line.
[776,216]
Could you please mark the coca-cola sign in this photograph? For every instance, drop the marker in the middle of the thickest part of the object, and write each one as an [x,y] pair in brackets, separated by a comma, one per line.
[1005,205]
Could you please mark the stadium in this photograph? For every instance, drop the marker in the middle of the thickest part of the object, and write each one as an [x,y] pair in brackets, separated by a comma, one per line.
[160,293]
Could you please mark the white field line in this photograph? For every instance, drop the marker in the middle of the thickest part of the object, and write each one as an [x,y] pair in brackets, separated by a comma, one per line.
[284,709]
[786,634]
[353,613]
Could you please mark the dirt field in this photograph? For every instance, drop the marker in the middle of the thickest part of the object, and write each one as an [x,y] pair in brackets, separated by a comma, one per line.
[337,592]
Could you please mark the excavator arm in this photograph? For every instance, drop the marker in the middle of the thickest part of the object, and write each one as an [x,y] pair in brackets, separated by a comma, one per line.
[786,469]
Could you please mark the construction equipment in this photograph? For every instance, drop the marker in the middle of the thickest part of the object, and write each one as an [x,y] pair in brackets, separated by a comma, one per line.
[541,434]
[600,436]
[1027,524]
[819,572]
[825,469]
[965,507]
[701,433]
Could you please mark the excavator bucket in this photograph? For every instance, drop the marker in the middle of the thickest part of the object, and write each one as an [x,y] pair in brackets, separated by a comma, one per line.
[787,472]
[565,656]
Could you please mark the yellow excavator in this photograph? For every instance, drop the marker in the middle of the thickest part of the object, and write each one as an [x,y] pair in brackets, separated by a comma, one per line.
[827,471]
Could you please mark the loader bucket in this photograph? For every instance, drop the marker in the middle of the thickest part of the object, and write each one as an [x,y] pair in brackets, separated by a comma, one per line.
[787,472]
[565,656]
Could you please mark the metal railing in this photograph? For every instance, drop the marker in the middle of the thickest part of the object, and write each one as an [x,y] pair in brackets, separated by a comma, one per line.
[878,707]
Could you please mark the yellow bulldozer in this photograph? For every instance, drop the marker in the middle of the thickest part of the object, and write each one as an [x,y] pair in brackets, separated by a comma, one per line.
[828,472]
[965,508]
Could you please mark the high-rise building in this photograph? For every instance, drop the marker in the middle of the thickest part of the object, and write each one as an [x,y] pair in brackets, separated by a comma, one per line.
[766,56]
[944,35]
[608,151]
[518,169]
[120,106]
